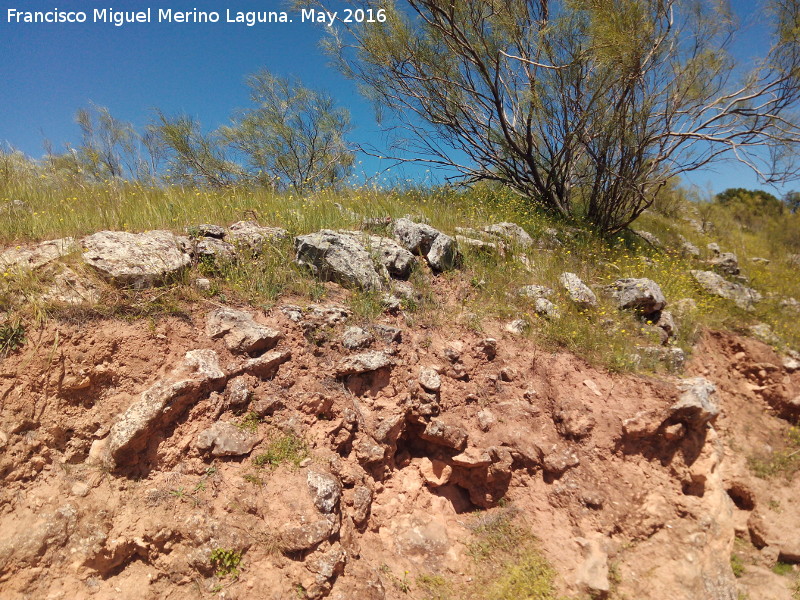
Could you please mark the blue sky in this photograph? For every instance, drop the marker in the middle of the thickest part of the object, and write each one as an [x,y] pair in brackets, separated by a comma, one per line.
[49,71]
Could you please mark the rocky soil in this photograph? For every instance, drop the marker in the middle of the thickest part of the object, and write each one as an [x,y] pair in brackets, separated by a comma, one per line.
[300,452]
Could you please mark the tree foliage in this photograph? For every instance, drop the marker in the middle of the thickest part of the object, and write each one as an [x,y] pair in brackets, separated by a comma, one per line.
[193,157]
[587,107]
[751,208]
[292,136]
[792,201]
[110,148]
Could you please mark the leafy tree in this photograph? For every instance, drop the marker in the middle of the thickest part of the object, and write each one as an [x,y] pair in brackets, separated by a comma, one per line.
[292,136]
[109,147]
[192,156]
[586,107]
[752,202]
[792,200]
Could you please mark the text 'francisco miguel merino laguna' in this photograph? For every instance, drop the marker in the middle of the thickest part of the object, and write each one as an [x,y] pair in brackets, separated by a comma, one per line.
[168,15]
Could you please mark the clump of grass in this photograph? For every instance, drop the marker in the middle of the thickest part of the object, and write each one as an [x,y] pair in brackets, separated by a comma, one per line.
[249,422]
[509,562]
[784,462]
[226,562]
[253,478]
[782,568]
[12,337]
[285,449]
[434,587]
[737,565]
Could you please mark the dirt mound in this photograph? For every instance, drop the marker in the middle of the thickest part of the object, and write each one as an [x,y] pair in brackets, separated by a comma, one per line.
[314,470]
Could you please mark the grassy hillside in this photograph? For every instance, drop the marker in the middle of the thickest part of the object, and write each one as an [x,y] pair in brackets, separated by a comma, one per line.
[37,205]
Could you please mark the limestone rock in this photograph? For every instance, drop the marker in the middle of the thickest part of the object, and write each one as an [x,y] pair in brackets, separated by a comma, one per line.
[326,491]
[649,238]
[559,460]
[726,263]
[304,536]
[439,432]
[266,365]
[510,232]
[238,392]
[163,403]
[213,248]
[472,458]
[642,295]
[397,260]
[443,255]
[478,245]
[429,379]
[355,338]
[226,439]
[363,363]
[206,230]
[486,419]
[744,297]
[535,291]
[439,250]
[388,333]
[33,257]
[137,260]
[697,405]
[414,237]
[70,288]
[578,291]
[240,331]
[545,308]
[688,248]
[338,257]
[251,235]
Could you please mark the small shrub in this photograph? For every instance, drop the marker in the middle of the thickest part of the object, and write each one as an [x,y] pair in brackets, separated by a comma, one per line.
[285,449]
[226,562]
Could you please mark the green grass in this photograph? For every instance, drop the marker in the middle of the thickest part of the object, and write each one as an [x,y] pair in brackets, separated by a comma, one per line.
[782,568]
[249,422]
[282,450]
[12,336]
[509,564]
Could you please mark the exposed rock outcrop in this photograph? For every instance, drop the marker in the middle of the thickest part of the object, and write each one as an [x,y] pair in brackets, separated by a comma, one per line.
[137,260]
[744,297]
[339,257]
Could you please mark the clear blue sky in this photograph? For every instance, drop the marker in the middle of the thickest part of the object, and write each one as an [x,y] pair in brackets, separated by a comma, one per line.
[49,71]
